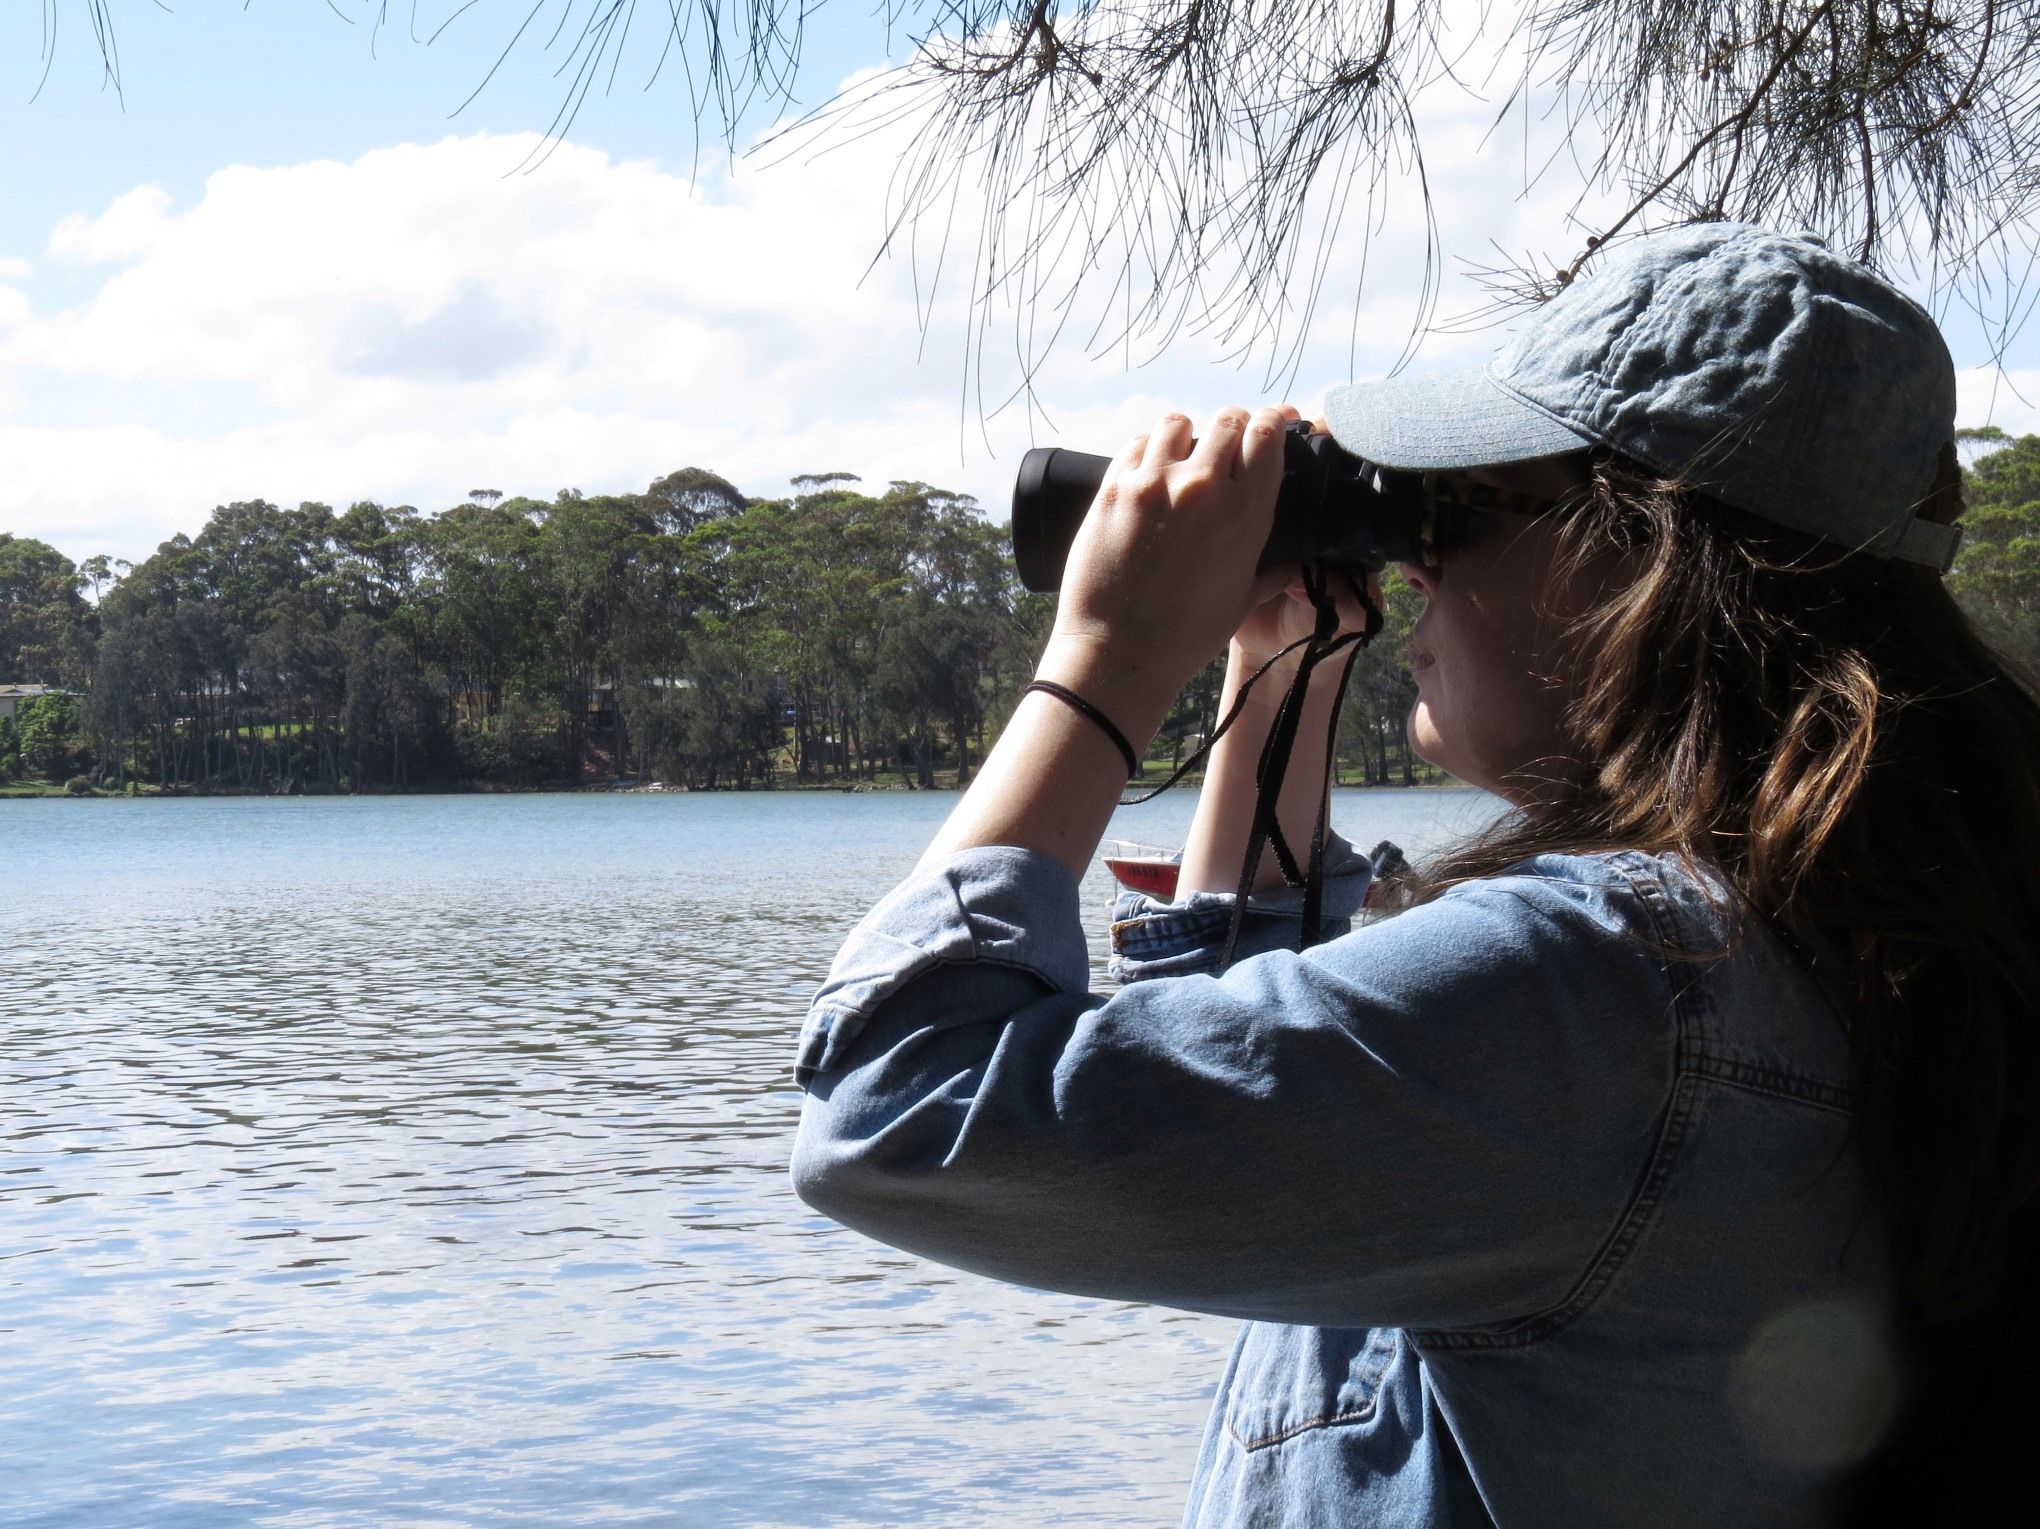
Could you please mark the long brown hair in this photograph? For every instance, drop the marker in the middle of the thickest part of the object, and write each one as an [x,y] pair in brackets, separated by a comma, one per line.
[1828,733]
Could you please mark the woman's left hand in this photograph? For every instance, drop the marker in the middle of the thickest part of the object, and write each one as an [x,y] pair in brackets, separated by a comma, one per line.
[1163,568]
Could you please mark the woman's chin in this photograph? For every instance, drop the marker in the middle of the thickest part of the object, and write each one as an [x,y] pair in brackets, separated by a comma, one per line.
[1421,733]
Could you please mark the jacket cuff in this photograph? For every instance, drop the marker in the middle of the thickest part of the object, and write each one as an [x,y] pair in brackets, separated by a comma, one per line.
[1157,939]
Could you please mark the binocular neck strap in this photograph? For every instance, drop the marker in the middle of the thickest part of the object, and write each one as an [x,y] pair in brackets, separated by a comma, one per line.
[1324,641]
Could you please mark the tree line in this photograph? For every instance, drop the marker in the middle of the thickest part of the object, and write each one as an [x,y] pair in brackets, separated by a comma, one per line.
[687,634]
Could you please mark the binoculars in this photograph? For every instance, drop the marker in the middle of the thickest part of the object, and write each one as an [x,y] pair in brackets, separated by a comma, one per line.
[1334,508]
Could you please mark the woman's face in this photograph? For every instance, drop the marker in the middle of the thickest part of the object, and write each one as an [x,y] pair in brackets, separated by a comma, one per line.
[1492,655]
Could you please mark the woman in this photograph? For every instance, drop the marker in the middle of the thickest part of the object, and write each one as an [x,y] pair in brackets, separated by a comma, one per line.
[1596,1185]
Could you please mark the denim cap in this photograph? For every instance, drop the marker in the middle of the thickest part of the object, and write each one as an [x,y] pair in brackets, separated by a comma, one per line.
[1760,368]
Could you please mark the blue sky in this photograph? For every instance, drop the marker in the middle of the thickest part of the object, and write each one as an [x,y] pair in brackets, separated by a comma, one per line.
[279,265]
[210,83]
[207,83]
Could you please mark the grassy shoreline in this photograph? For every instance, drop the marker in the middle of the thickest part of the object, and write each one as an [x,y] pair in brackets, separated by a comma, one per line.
[945,782]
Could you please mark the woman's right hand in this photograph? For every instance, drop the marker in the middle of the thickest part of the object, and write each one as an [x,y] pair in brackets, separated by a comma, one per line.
[1286,616]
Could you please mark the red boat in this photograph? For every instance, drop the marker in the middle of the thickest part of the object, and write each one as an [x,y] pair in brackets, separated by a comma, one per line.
[1143,868]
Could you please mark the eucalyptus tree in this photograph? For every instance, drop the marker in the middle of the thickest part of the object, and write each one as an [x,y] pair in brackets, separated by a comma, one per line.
[1193,716]
[389,713]
[376,567]
[725,715]
[585,552]
[149,654]
[961,601]
[773,600]
[250,550]
[915,597]
[1381,692]
[177,632]
[478,566]
[146,673]
[656,616]
[1997,570]
[744,652]
[40,604]
[250,557]
[690,497]
[114,702]
[862,589]
[296,680]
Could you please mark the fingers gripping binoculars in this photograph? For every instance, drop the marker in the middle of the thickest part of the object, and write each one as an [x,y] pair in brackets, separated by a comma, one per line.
[1334,508]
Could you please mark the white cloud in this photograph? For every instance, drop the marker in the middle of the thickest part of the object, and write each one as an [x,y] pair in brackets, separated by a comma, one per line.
[133,225]
[419,322]
[2009,399]
[422,321]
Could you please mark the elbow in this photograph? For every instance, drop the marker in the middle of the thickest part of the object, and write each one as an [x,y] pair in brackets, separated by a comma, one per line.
[862,1182]
[830,1169]
[869,1174]
[813,1169]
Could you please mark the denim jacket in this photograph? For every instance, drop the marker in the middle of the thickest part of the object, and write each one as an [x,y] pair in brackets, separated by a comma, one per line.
[1539,1201]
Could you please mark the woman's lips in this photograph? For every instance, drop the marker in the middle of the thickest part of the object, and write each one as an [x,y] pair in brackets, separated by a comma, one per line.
[1420,661]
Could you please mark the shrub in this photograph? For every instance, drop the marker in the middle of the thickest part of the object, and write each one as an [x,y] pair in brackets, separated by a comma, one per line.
[521,746]
[47,726]
[79,785]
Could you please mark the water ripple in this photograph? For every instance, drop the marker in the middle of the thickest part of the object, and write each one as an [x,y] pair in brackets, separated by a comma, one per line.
[424,1162]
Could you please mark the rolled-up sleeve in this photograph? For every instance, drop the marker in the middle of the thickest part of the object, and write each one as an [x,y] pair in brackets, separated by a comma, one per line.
[1151,938]
[993,912]
[1434,1121]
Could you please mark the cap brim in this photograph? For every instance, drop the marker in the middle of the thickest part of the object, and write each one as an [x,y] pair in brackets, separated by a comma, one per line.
[1444,420]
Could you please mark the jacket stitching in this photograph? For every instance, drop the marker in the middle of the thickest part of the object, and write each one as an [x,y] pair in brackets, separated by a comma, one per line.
[1693,1069]
[1262,1441]
[1613,1254]
[1371,1362]
[1642,1207]
[1776,1083]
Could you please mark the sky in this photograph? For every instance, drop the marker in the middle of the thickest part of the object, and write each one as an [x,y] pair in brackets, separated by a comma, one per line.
[291,259]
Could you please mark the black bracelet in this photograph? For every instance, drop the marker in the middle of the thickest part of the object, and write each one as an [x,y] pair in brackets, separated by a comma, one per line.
[1071,699]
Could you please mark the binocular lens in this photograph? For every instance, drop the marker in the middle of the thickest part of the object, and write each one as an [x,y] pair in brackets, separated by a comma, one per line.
[1051,496]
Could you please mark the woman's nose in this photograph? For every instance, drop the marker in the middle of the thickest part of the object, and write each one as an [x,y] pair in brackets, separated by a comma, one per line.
[1423,580]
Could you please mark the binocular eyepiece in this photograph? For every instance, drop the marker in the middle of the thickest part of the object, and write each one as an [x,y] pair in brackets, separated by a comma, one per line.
[1334,508]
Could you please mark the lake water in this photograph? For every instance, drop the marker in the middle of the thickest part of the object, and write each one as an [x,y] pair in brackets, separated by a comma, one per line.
[421,1161]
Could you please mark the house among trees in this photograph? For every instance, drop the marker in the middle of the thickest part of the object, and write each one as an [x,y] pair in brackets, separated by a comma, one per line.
[11,696]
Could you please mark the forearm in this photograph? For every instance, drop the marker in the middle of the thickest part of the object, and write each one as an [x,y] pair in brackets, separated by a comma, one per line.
[1053,779]
[1223,822]
[1162,568]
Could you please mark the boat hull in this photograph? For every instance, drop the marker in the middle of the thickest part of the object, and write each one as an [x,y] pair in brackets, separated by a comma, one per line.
[1154,877]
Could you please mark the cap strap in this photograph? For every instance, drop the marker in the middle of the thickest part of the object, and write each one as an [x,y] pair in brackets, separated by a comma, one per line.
[1928,542]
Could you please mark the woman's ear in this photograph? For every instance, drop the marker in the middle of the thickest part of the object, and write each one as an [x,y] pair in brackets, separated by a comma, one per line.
[1943,503]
